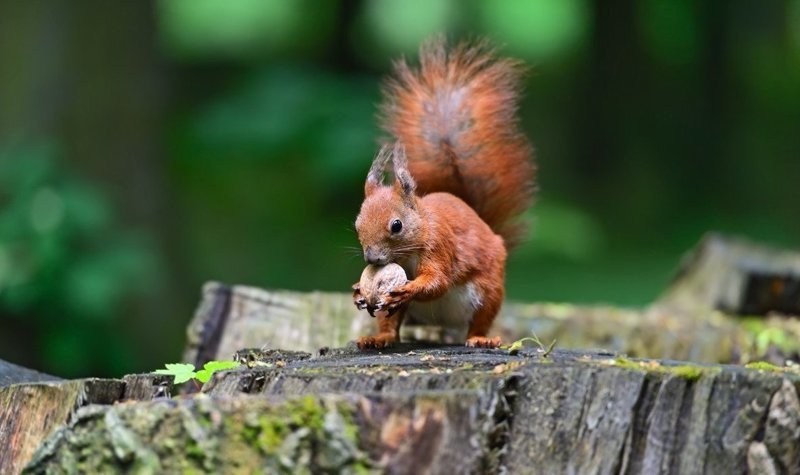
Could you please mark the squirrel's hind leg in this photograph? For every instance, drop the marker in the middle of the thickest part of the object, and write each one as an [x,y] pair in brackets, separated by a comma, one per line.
[388,332]
[492,299]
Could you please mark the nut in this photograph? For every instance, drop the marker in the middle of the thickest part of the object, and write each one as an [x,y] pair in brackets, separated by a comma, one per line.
[377,281]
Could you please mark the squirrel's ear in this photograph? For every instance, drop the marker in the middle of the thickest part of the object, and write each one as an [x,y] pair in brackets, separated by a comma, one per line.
[403,181]
[376,171]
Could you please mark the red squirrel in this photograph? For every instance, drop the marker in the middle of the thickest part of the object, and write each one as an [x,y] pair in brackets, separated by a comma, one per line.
[462,176]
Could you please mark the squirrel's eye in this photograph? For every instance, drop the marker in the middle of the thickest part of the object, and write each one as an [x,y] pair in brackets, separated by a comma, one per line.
[396,226]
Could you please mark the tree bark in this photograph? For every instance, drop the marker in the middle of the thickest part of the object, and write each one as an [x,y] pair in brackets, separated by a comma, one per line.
[31,411]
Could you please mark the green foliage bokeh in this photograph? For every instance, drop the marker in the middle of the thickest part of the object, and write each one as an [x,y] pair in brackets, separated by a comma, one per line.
[150,147]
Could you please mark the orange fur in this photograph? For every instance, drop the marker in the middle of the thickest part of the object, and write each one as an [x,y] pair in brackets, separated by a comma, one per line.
[456,116]
[463,174]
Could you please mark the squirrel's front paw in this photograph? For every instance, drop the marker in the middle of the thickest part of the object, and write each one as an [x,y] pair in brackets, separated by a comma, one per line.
[379,341]
[397,297]
[358,299]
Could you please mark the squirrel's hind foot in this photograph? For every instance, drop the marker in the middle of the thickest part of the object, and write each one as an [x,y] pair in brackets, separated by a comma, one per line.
[483,342]
[377,342]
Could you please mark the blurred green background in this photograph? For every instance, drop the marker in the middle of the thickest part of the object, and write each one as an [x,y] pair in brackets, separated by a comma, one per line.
[147,147]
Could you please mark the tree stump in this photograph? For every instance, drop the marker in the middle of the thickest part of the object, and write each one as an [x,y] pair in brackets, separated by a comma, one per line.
[327,407]
[736,276]
[447,410]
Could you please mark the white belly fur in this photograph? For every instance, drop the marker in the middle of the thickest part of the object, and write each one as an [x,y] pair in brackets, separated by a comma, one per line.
[453,310]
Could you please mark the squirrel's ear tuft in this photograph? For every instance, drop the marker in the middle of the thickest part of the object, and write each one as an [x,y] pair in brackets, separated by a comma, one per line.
[404,182]
[378,168]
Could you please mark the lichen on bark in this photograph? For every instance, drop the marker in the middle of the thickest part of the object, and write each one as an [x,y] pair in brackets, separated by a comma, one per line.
[199,435]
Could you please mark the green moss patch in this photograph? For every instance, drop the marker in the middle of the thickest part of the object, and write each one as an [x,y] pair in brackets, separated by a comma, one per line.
[764,366]
[689,372]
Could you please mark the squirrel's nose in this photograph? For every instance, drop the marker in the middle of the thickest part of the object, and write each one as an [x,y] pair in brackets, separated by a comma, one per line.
[373,257]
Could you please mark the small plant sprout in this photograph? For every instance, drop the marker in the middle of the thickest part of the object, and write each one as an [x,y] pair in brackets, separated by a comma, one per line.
[514,348]
[183,372]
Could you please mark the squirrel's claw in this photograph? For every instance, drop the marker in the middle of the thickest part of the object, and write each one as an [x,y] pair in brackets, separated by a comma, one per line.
[396,298]
[358,299]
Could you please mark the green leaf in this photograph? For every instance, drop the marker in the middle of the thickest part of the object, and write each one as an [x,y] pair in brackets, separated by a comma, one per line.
[213,366]
[181,371]
[203,375]
[220,365]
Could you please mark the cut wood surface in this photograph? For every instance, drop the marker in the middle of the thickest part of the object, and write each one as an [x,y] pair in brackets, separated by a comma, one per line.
[421,409]
[13,374]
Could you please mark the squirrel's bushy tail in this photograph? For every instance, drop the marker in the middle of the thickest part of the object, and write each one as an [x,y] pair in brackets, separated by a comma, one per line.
[456,115]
